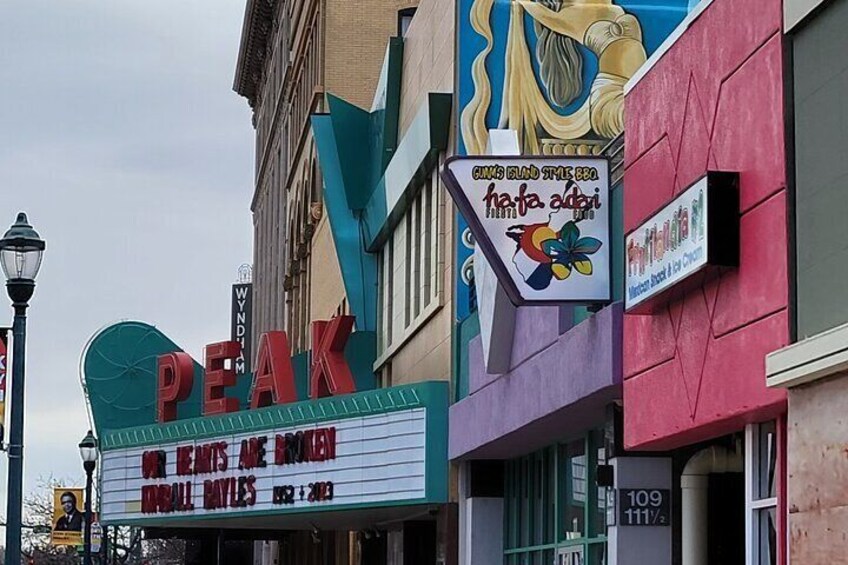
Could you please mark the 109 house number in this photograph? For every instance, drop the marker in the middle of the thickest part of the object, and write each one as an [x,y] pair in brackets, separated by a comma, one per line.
[644,507]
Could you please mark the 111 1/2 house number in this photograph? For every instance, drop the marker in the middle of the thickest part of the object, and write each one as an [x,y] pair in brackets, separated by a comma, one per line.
[644,507]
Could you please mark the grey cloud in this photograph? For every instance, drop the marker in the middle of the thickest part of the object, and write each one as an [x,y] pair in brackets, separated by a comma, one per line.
[120,135]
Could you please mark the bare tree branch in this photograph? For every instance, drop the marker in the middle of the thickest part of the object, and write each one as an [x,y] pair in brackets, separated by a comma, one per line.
[126,545]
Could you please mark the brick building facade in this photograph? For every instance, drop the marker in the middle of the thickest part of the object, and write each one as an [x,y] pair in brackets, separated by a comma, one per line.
[291,54]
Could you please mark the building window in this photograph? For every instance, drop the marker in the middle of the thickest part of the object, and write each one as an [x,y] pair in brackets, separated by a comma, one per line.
[404,20]
[553,508]
[410,250]
[410,267]
[385,286]
[761,479]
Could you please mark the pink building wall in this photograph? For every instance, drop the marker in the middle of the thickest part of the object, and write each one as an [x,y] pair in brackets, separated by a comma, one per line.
[695,369]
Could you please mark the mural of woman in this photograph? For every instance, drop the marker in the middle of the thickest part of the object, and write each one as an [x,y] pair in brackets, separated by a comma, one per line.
[554,71]
[604,28]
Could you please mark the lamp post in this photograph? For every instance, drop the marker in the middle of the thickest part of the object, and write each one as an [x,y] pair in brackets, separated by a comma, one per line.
[88,453]
[20,258]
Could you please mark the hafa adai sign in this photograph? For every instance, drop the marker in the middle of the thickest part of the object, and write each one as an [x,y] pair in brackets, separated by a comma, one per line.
[697,230]
[543,223]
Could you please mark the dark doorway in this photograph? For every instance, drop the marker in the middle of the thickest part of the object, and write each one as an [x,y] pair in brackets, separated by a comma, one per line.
[373,548]
[726,519]
[419,543]
[305,547]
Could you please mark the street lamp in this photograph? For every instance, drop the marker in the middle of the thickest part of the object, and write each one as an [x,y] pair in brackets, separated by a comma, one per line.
[88,453]
[20,258]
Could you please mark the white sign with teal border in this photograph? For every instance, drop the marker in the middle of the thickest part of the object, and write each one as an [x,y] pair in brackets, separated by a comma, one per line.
[363,451]
[362,460]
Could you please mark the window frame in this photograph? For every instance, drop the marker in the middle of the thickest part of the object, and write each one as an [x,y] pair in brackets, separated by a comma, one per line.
[403,15]
[400,322]
[521,544]
[755,505]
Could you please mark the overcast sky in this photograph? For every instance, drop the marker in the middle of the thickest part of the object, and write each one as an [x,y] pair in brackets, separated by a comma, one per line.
[122,139]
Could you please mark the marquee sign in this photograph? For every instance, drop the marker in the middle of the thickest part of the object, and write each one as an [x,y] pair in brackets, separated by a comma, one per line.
[696,231]
[302,433]
[543,223]
[372,459]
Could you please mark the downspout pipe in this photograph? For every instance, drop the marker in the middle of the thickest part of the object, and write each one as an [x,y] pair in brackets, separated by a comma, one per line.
[694,485]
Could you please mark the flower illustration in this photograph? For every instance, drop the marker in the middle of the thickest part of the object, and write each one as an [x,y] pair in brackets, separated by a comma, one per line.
[555,254]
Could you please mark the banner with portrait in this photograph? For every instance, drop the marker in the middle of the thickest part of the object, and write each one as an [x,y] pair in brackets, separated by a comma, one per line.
[68,516]
[4,342]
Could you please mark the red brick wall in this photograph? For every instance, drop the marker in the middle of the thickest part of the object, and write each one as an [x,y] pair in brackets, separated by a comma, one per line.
[696,368]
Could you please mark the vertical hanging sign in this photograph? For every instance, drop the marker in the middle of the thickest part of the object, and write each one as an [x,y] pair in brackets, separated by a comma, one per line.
[4,341]
[241,324]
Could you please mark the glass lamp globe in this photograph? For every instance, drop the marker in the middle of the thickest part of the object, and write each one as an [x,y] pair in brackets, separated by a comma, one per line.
[20,251]
[88,448]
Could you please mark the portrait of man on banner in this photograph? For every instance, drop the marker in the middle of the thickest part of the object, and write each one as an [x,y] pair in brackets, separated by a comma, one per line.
[68,518]
[4,340]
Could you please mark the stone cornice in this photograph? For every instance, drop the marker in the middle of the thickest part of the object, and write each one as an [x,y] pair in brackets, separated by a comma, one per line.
[257,30]
[814,358]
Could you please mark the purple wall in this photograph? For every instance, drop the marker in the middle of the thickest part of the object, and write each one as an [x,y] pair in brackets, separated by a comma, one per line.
[555,382]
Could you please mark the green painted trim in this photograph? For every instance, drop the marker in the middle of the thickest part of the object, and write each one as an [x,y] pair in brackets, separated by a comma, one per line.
[437,468]
[354,148]
[366,141]
[416,156]
[522,487]
[558,545]
[358,268]
[282,511]
[429,394]
[394,83]
[617,240]
[350,124]
[530,548]
[463,333]
[441,105]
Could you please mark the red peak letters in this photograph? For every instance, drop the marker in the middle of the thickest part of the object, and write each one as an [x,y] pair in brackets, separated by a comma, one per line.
[176,375]
[273,380]
[330,374]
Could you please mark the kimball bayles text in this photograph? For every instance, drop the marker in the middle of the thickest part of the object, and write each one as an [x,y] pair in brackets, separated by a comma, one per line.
[308,446]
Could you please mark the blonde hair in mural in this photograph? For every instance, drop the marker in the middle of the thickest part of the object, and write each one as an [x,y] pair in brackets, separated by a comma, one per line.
[613,35]
[473,119]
